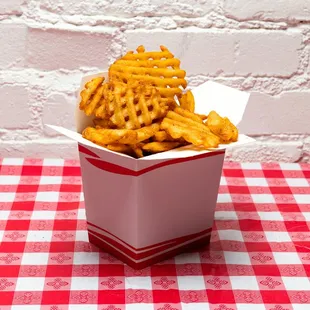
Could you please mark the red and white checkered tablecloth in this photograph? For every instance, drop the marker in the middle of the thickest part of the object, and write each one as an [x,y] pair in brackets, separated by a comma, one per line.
[258,259]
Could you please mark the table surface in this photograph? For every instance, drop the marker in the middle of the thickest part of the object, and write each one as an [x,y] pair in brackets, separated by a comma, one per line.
[259,256]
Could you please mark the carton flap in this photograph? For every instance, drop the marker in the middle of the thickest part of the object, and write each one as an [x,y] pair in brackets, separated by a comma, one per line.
[79,138]
[72,135]
[226,101]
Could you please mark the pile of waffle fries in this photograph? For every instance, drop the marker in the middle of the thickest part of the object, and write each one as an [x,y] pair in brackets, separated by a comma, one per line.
[144,108]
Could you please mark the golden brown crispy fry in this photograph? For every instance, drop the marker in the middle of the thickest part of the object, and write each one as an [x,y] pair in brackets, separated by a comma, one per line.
[188,122]
[147,132]
[120,148]
[91,95]
[136,110]
[134,150]
[161,136]
[187,101]
[156,147]
[202,116]
[188,114]
[137,149]
[235,132]
[222,127]
[168,103]
[196,135]
[102,108]
[103,123]
[159,69]
[136,106]
[110,136]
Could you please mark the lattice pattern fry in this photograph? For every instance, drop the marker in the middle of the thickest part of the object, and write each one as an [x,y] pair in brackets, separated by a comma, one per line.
[160,69]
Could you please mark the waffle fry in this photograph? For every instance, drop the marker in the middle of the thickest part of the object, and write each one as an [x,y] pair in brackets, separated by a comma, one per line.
[188,114]
[187,101]
[156,147]
[101,111]
[120,148]
[135,107]
[133,150]
[103,123]
[197,133]
[136,112]
[137,150]
[202,116]
[147,132]
[161,136]
[91,95]
[222,127]
[120,105]
[110,136]
[159,69]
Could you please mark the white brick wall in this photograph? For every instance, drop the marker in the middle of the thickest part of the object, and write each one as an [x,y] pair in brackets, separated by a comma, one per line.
[287,113]
[14,108]
[233,53]
[11,7]
[287,10]
[130,8]
[52,48]
[258,46]
[58,110]
[13,38]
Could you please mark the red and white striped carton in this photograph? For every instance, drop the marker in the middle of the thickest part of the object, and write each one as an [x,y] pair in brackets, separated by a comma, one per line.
[146,210]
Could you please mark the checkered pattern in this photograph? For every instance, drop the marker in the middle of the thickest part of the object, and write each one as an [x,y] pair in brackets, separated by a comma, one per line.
[259,257]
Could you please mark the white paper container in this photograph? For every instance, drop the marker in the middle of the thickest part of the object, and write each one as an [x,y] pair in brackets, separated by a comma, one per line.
[145,210]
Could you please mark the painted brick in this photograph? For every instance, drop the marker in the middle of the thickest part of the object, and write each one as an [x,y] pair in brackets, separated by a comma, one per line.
[131,8]
[268,10]
[12,45]
[266,152]
[288,112]
[52,49]
[59,111]
[47,148]
[261,53]
[14,109]
[11,7]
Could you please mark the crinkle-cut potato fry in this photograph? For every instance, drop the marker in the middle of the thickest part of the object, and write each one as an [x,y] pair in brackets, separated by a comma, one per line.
[158,68]
[156,147]
[222,127]
[91,95]
[109,136]
[187,101]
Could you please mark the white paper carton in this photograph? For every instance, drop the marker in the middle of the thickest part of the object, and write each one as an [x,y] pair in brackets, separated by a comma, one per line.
[145,210]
